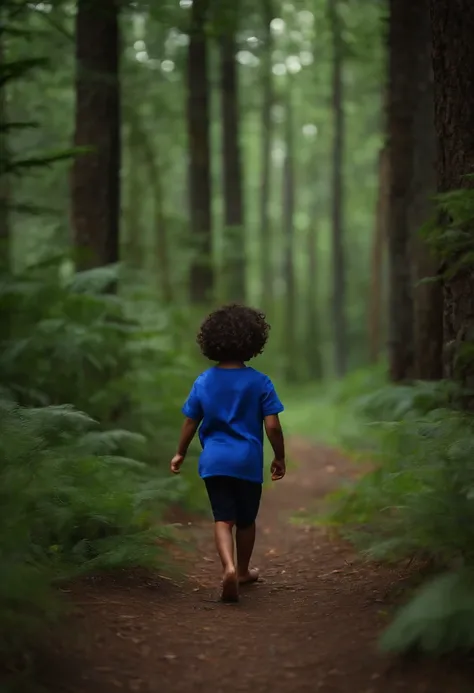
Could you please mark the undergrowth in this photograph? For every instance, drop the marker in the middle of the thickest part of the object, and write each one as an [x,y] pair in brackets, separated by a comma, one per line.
[418,501]
[81,492]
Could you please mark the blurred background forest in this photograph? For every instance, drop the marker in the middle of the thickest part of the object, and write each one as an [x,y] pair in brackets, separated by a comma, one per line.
[160,158]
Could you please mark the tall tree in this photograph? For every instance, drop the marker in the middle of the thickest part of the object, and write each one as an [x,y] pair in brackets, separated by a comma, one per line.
[428,297]
[312,333]
[5,189]
[414,309]
[377,257]
[338,255]
[133,249]
[400,121]
[266,269]
[152,162]
[288,197]
[234,253]
[452,25]
[198,117]
[95,178]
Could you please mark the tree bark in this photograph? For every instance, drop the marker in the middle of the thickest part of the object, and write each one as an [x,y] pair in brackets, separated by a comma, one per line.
[376,279]
[401,108]
[288,197]
[452,24]
[266,250]
[198,115]
[95,179]
[428,297]
[134,252]
[234,238]
[5,188]
[313,336]
[338,255]
[160,222]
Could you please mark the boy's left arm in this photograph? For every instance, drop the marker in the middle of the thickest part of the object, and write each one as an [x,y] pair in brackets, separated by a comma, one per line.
[188,431]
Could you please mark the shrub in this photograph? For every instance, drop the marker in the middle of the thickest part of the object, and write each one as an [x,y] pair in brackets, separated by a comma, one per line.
[418,500]
[80,492]
[114,357]
[69,504]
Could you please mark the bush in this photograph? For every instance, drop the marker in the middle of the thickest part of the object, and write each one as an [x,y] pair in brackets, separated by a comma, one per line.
[418,501]
[69,504]
[80,492]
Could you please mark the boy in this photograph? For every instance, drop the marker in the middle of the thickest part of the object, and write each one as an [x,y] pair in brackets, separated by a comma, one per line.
[232,403]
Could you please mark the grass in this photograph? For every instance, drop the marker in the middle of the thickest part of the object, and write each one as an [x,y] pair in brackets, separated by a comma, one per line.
[325,412]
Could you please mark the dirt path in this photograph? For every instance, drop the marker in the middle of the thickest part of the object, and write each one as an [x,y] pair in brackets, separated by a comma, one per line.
[310,626]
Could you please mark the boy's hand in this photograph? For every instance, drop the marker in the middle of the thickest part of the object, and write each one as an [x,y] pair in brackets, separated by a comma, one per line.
[278,469]
[176,463]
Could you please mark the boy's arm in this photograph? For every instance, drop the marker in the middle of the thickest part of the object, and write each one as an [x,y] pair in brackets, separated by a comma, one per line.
[274,433]
[188,431]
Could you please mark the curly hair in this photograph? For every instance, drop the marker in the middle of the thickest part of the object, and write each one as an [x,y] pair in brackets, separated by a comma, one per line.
[233,333]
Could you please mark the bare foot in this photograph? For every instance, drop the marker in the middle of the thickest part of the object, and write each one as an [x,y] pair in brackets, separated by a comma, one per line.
[230,587]
[251,576]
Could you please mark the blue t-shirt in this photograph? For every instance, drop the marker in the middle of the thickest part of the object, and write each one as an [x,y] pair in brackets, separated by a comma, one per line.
[231,404]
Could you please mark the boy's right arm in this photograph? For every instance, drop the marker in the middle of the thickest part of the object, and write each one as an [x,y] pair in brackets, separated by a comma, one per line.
[274,433]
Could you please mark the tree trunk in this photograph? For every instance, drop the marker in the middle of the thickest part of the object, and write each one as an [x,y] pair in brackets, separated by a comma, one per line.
[266,250]
[96,174]
[5,188]
[452,26]
[201,270]
[234,238]
[338,258]
[428,297]
[313,337]
[288,197]
[160,221]
[376,281]
[401,108]
[133,211]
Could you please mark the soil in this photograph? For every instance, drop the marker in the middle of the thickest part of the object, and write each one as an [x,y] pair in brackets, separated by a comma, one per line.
[310,625]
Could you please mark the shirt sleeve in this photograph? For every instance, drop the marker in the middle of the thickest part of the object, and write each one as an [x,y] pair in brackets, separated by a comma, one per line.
[192,408]
[271,403]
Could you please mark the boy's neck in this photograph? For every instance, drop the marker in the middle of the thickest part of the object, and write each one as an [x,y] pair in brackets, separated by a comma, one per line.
[231,364]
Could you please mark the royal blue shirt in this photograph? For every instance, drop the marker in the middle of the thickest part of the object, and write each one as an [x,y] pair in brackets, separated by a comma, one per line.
[231,404]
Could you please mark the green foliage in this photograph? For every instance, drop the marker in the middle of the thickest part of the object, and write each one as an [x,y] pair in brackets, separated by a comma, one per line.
[417,501]
[79,492]
[68,341]
[69,505]
[439,619]
[326,413]
[450,234]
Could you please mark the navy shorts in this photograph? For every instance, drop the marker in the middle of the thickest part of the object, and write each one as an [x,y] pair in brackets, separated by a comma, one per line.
[234,500]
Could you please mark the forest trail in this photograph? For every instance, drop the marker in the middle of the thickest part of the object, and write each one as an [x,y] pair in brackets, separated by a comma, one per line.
[310,625]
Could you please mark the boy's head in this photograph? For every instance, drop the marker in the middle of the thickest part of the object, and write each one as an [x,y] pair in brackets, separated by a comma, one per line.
[233,333]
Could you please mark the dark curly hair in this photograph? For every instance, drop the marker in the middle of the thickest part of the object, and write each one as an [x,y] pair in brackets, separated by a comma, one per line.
[233,333]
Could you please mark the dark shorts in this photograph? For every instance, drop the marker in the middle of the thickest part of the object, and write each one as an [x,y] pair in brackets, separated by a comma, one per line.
[234,500]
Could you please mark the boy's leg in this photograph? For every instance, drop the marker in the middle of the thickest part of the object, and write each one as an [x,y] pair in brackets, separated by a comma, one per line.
[225,545]
[223,508]
[245,539]
[248,504]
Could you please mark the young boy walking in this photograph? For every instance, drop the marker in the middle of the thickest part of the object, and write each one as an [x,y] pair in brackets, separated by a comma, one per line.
[231,403]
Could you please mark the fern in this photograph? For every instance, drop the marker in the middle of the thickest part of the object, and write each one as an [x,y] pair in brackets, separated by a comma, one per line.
[64,507]
[439,619]
[418,500]
[76,492]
